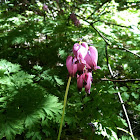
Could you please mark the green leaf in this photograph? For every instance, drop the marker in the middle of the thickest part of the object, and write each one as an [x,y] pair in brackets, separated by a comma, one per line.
[137,108]
[125,96]
[86,99]
[3,99]
[31,120]
[135,95]
[10,129]
[8,67]
[112,91]
[37,136]
[125,138]
[52,107]
[59,81]
[22,78]
[38,68]
[123,121]
[123,88]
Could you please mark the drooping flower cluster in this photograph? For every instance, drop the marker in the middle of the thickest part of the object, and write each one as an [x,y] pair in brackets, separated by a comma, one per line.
[74,19]
[83,62]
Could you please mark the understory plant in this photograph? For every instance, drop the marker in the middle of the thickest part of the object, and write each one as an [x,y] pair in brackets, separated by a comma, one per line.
[83,61]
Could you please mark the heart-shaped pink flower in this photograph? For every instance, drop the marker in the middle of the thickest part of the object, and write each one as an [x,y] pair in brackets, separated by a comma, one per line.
[80,82]
[80,51]
[45,7]
[71,65]
[88,81]
[91,58]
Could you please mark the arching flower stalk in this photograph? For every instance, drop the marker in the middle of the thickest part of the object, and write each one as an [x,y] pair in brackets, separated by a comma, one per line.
[83,61]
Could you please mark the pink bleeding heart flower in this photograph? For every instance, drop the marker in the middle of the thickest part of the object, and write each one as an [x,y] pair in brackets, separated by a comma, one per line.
[73,16]
[88,80]
[74,19]
[45,7]
[80,82]
[91,58]
[84,44]
[71,65]
[83,50]
[80,51]
[77,22]
[76,48]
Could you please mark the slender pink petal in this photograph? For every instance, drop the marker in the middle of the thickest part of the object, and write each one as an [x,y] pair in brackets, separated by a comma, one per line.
[88,81]
[84,44]
[83,49]
[79,82]
[92,58]
[71,66]
[76,48]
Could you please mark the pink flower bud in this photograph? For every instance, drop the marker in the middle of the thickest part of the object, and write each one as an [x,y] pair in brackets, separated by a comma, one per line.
[88,81]
[45,7]
[73,16]
[91,58]
[74,19]
[80,82]
[76,48]
[76,22]
[84,44]
[71,66]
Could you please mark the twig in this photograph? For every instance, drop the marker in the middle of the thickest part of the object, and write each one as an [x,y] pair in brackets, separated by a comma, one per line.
[130,51]
[101,35]
[121,100]
[109,23]
[111,72]
[97,8]
[121,80]
[127,118]
[106,41]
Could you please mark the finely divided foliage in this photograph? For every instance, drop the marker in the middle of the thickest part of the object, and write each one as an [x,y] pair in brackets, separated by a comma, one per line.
[24,104]
[35,39]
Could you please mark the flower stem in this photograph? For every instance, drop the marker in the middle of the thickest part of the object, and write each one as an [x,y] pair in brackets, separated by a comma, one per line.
[126,132]
[65,101]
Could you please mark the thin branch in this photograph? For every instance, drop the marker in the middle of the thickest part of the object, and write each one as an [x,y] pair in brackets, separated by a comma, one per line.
[101,35]
[109,23]
[106,41]
[127,118]
[119,95]
[131,5]
[112,75]
[122,80]
[130,51]
[97,8]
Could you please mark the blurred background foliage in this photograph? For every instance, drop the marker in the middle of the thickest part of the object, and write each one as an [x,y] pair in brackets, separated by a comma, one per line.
[34,45]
